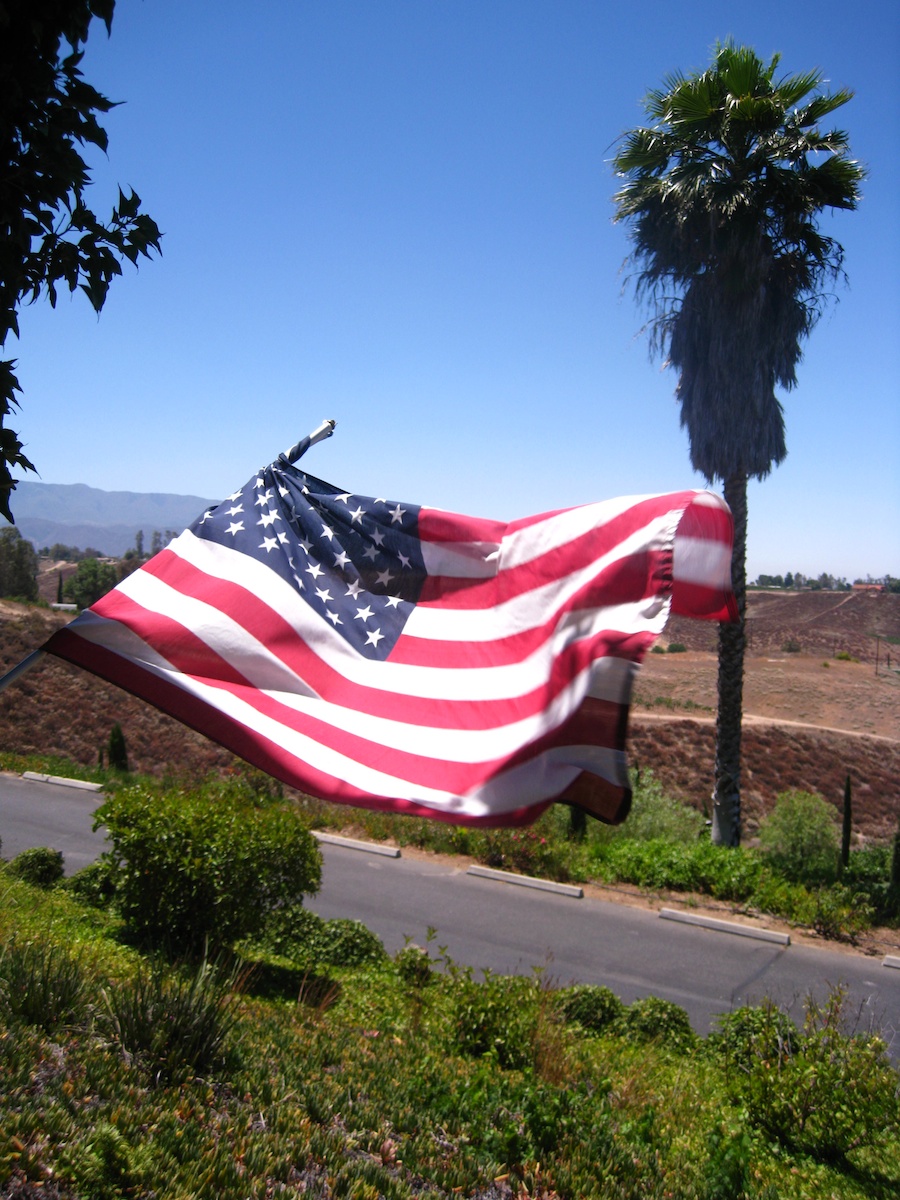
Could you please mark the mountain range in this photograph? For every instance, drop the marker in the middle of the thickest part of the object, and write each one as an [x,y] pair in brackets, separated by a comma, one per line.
[77,515]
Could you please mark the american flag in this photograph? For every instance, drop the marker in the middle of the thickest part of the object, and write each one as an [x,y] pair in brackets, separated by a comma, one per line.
[392,656]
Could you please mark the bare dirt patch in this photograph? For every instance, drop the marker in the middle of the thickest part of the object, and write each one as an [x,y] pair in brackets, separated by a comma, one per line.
[806,726]
[57,709]
[810,719]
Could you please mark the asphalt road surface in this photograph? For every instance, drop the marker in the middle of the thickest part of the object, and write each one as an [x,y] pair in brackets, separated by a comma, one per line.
[508,929]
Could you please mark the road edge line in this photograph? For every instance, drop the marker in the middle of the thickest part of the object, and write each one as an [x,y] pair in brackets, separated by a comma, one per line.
[84,784]
[542,885]
[333,839]
[762,935]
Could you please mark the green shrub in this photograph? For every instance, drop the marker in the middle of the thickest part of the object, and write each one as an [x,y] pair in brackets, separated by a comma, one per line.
[344,942]
[822,1090]
[190,870]
[841,913]
[718,871]
[657,1020]
[174,1025]
[94,884]
[727,1172]
[791,646]
[774,894]
[40,866]
[869,874]
[497,1017]
[799,838]
[677,648]
[655,814]
[753,1032]
[526,851]
[302,936]
[591,1006]
[42,984]
[290,930]
[414,966]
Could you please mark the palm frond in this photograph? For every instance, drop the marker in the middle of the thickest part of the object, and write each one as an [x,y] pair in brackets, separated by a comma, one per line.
[722,197]
[793,88]
[822,106]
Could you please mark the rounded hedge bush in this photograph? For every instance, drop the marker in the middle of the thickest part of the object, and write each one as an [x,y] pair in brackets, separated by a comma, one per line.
[40,866]
[655,1019]
[799,837]
[591,1006]
[192,870]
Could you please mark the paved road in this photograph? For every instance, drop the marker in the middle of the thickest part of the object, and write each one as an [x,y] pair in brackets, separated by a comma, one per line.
[512,929]
[49,814]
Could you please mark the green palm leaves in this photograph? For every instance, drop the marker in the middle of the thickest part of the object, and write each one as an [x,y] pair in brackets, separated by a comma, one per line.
[723,192]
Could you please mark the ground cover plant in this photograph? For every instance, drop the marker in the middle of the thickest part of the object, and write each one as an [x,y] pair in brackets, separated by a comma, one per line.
[410,1081]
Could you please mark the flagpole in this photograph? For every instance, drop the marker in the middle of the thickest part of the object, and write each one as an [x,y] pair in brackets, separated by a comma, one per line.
[325,430]
[26,664]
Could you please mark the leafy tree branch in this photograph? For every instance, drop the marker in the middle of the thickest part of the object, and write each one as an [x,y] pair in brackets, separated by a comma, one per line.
[50,239]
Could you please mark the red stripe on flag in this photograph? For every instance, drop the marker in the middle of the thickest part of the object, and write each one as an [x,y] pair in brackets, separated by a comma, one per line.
[418,769]
[434,525]
[286,645]
[249,745]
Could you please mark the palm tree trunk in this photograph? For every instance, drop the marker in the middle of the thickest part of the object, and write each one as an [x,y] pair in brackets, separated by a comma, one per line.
[726,823]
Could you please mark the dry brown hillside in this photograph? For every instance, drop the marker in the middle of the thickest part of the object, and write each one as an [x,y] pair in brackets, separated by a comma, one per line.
[810,719]
[59,709]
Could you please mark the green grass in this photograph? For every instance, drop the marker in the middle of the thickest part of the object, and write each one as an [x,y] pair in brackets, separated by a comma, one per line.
[383,1088]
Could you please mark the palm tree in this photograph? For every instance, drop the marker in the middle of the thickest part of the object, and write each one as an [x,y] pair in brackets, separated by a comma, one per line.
[723,194]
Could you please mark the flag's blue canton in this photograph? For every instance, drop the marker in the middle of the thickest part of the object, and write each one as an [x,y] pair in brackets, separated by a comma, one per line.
[356,560]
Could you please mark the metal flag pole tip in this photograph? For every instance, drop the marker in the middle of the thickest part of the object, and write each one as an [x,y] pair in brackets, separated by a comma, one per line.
[325,430]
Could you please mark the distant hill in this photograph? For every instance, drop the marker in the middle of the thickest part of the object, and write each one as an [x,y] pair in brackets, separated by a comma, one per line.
[77,515]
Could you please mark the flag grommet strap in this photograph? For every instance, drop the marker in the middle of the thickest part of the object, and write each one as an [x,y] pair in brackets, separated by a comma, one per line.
[394,656]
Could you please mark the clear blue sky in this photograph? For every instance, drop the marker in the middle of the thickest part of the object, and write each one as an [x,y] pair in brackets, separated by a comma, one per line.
[398,213]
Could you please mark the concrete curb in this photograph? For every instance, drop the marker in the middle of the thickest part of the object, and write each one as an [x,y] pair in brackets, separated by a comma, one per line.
[332,839]
[761,935]
[891,960]
[541,885]
[75,783]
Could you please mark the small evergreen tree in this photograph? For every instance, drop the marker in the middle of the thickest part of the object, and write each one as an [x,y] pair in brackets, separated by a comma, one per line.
[847,826]
[117,752]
